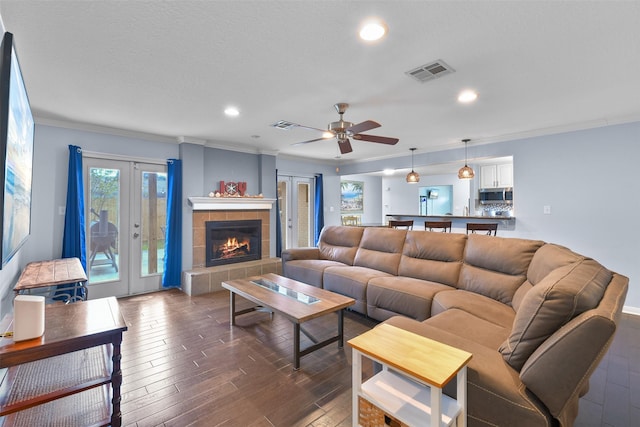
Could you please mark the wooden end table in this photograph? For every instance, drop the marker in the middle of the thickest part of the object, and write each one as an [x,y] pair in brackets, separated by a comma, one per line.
[414,370]
[68,328]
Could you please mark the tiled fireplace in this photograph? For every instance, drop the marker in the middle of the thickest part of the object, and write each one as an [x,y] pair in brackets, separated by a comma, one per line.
[202,278]
[230,242]
[201,218]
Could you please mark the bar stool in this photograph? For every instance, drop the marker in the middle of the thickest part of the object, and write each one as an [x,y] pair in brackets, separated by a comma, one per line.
[408,224]
[351,220]
[444,225]
[488,227]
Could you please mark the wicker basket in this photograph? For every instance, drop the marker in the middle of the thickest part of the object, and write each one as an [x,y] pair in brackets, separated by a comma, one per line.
[370,415]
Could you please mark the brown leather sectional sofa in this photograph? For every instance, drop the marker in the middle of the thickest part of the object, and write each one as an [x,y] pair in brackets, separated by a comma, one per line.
[537,317]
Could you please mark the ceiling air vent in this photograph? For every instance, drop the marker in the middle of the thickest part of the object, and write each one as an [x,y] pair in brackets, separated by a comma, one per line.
[284,125]
[430,71]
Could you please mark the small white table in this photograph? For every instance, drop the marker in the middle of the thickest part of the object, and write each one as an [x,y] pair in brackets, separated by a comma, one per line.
[415,369]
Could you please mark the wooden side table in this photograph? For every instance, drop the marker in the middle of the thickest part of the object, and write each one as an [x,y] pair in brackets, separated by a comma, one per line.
[415,369]
[51,369]
[44,274]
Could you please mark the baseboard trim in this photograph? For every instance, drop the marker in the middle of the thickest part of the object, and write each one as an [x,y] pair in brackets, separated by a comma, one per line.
[627,309]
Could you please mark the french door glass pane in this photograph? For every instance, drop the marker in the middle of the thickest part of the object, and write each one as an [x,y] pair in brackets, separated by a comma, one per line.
[304,218]
[282,201]
[154,220]
[104,220]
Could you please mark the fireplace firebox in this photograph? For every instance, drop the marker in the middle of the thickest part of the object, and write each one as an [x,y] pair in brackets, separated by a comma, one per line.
[228,242]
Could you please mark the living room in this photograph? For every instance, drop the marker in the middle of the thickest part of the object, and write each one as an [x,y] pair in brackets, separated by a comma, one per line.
[585,171]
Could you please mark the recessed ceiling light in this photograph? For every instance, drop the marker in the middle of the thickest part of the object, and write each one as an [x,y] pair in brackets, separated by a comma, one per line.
[232,111]
[467,96]
[373,30]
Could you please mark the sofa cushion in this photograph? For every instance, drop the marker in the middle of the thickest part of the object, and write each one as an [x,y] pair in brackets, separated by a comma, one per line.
[478,305]
[339,243]
[471,327]
[496,266]
[560,296]
[309,271]
[352,282]
[380,248]
[390,296]
[546,259]
[436,257]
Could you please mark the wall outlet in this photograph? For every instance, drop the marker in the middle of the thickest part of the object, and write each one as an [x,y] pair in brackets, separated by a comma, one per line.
[546,210]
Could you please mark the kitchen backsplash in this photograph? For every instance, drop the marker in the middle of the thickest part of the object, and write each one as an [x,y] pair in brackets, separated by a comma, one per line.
[497,209]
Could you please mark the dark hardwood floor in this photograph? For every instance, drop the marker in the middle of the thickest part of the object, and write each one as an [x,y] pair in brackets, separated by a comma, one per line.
[183,365]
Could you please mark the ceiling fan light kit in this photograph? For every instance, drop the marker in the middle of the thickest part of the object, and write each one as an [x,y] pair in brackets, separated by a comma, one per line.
[412,177]
[466,172]
[342,131]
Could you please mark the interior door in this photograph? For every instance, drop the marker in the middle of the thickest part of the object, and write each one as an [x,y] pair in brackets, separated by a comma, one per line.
[125,220]
[295,197]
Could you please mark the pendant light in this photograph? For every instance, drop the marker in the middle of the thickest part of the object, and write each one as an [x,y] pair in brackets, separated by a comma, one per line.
[412,177]
[466,172]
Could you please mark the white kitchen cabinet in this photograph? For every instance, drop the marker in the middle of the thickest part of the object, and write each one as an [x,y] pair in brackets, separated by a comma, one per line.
[493,176]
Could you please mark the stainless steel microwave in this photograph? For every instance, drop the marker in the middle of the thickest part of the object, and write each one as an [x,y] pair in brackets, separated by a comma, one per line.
[502,195]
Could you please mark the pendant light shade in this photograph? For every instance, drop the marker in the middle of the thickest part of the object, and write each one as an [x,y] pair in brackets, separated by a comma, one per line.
[413,177]
[466,172]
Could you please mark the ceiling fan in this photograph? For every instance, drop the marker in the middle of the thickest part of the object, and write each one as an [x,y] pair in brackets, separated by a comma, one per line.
[342,131]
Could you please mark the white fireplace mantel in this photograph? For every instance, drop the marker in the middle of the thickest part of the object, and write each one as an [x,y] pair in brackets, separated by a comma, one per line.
[229,203]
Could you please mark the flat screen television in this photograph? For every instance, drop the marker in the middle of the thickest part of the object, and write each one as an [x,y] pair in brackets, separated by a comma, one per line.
[16,153]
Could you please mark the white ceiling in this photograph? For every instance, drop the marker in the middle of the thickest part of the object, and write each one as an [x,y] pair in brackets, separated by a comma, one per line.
[169,69]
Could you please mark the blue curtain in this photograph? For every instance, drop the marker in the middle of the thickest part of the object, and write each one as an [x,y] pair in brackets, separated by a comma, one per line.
[73,239]
[278,224]
[318,208]
[171,277]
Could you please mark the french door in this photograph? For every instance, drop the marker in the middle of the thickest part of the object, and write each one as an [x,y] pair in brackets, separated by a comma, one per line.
[295,198]
[125,217]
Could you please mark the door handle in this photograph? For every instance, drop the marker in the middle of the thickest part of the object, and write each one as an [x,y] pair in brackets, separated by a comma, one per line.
[136,235]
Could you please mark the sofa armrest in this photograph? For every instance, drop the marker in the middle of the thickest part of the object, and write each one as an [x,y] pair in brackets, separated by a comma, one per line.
[559,370]
[300,253]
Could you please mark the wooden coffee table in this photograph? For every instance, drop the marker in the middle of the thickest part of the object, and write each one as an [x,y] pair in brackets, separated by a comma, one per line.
[294,300]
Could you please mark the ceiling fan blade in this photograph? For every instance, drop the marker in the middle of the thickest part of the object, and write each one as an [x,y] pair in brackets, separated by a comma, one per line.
[345,146]
[364,126]
[306,142]
[375,138]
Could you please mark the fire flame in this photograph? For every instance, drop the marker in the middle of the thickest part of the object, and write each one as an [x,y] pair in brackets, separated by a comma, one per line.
[232,243]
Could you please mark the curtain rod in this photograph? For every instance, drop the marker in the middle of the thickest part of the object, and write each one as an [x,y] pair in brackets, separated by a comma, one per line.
[106,156]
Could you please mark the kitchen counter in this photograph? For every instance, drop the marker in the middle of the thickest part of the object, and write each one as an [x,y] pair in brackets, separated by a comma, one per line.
[458,222]
[447,217]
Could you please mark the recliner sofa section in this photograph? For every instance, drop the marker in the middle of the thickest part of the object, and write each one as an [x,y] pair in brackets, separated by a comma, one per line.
[536,316]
